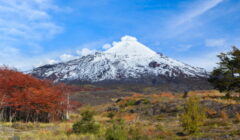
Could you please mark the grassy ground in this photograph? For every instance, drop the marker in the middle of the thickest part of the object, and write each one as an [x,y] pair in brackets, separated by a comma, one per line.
[154,116]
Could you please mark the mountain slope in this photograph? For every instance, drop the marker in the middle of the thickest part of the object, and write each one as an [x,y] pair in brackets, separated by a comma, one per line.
[127,61]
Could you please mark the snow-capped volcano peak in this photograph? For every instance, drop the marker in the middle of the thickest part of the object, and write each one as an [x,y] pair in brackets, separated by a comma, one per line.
[130,46]
[127,60]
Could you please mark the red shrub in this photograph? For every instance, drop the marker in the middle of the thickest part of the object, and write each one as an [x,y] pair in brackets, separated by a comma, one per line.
[166,94]
[25,98]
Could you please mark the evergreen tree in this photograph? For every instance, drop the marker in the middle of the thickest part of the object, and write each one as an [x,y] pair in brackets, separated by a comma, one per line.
[226,77]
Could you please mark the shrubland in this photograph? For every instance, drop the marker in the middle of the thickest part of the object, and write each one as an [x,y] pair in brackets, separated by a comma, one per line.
[163,116]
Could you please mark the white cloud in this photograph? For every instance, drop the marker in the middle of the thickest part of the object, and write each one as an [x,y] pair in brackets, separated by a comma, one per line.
[85,51]
[27,19]
[51,61]
[106,46]
[215,43]
[43,62]
[23,23]
[198,10]
[67,57]
[192,18]
[6,50]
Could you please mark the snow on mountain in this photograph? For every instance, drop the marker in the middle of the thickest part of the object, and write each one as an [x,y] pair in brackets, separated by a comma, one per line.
[129,46]
[126,59]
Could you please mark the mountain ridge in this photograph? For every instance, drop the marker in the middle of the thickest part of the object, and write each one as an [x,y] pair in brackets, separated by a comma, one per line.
[127,61]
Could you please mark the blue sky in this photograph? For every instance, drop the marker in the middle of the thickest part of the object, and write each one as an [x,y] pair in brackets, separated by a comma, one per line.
[36,32]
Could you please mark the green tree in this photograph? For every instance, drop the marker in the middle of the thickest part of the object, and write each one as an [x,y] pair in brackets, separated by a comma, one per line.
[226,77]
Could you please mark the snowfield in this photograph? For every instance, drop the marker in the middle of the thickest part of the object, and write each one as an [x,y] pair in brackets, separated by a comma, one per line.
[127,58]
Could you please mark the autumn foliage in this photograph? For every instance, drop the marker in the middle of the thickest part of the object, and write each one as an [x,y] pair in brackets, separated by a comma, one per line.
[24,98]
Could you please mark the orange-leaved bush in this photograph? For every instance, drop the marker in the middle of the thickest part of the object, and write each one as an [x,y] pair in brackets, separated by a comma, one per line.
[25,98]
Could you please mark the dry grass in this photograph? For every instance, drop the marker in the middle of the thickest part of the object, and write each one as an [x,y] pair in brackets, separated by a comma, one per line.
[225,101]
[224,116]
[211,112]
[237,117]
[158,127]
[206,93]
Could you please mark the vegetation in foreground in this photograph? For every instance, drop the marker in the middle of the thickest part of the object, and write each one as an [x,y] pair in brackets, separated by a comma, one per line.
[141,117]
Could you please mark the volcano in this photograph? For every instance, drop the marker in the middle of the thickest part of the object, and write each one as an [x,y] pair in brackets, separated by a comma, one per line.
[126,62]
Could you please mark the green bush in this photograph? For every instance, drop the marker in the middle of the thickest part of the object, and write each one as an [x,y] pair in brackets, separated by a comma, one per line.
[110,115]
[185,95]
[146,101]
[121,131]
[193,117]
[135,133]
[86,124]
[116,132]
[131,102]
